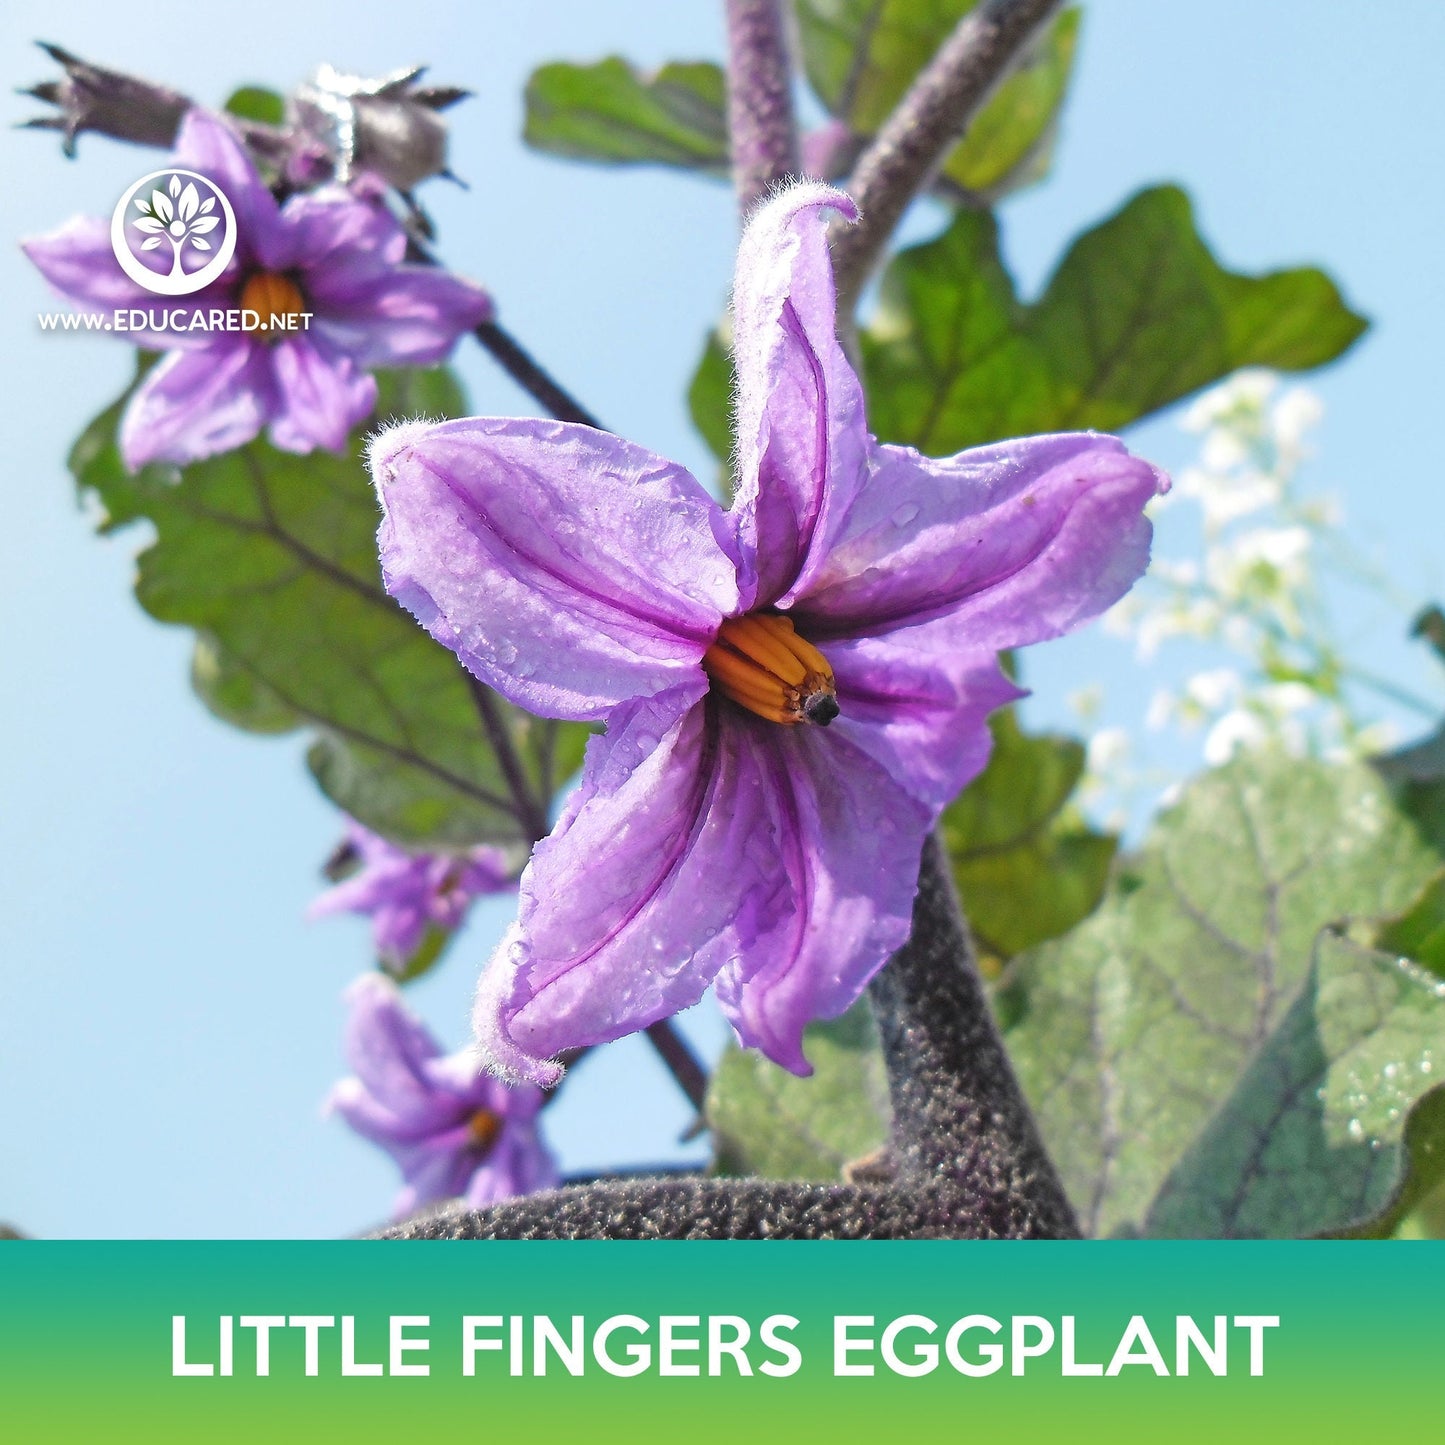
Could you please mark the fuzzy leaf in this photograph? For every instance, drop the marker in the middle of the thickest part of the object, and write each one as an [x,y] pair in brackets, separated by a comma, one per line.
[1027,867]
[1138,314]
[272,558]
[617,114]
[770,1122]
[1137,1026]
[1313,1138]
[862,55]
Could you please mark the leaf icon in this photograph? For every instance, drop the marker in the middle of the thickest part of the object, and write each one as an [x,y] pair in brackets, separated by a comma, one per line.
[189,202]
[197,242]
[207,204]
[204,225]
[152,243]
[148,224]
[143,205]
[161,206]
[175,186]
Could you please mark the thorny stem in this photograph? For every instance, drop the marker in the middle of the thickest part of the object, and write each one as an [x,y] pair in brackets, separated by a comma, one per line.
[519,365]
[958,1112]
[939,106]
[761,130]
[681,1062]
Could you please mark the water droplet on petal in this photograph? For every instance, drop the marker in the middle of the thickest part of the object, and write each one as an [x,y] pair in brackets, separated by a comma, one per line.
[903,515]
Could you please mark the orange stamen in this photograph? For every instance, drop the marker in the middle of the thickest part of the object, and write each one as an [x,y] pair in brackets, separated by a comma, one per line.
[275,298]
[761,663]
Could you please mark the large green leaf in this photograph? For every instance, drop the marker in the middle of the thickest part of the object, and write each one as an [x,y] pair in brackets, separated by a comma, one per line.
[1028,868]
[1312,1139]
[862,55]
[615,113]
[1138,1025]
[1138,314]
[272,559]
[770,1122]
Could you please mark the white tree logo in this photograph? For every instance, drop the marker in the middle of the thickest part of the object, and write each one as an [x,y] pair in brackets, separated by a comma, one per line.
[181,209]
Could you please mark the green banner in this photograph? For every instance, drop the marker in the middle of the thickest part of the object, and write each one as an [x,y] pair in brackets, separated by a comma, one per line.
[728,1342]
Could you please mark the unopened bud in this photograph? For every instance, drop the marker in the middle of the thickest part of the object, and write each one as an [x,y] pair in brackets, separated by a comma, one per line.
[388,126]
[89,97]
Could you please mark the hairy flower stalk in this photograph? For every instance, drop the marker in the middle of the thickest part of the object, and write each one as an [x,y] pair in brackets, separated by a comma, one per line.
[793,689]
[762,134]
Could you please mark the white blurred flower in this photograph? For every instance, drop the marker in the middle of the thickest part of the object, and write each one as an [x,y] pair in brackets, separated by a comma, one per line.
[1107,749]
[1238,728]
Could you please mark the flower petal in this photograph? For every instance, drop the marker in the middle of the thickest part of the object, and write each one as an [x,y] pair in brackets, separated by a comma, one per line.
[849,840]
[390,1049]
[922,716]
[801,438]
[662,869]
[567,569]
[321,395]
[341,239]
[194,404]
[78,262]
[404,316]
[995,547]
[207,145]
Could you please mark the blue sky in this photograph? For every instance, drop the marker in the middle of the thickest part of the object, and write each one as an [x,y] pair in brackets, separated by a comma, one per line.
[168,1022]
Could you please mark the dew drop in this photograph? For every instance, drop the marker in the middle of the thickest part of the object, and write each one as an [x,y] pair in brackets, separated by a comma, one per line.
[903,515]
[1355,1129]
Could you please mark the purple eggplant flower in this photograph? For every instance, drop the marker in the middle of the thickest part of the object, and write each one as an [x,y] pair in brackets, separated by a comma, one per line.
[454,1130]
[411,896]
[328,254]
[793,689]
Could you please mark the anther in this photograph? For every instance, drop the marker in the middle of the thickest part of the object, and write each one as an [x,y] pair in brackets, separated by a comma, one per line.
[276,299]
[761,663]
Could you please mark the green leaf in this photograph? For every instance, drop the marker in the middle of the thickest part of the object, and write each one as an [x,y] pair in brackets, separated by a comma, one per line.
[1419,933]
[255,102]
[614,113]
[271,558]
[1010,143]
[1027,867]
[770,1122]
[1138,314]
[862,55]
[1138,1024]
[710,397]
[1312,1139]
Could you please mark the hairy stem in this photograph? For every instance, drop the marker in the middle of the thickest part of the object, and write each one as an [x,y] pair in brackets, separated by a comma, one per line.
[519,365]
[939,106]
[681,1062]
[761,129]
[958,1112]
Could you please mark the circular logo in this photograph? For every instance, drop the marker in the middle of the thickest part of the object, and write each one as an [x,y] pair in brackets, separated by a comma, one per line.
[173,232]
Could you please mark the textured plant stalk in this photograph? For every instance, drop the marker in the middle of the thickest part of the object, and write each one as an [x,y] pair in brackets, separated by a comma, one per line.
[966,1161]
[904,156]
[519,365]
[762,133]
[958,1112]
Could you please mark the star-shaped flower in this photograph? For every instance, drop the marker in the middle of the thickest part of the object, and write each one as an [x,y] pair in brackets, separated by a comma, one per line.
[453,1131]
[793,688]
[328,254]
[410,897]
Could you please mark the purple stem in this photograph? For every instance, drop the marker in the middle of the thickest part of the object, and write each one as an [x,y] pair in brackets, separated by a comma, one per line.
[938,108]
[761,129]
